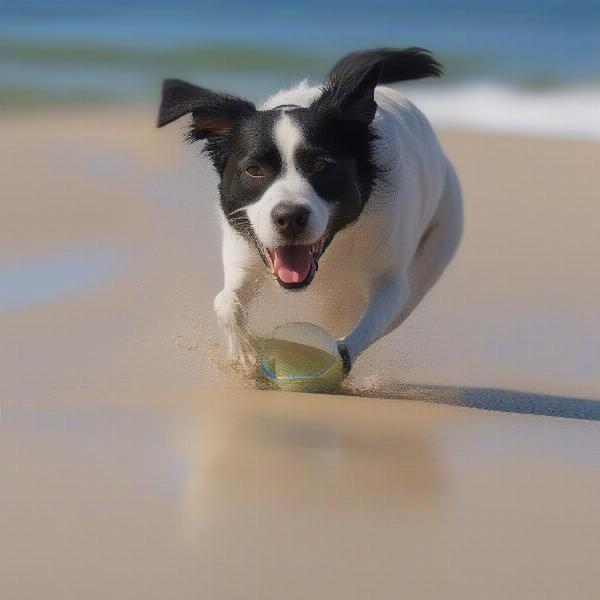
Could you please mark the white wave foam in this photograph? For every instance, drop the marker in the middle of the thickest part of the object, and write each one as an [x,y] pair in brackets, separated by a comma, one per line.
[572,112]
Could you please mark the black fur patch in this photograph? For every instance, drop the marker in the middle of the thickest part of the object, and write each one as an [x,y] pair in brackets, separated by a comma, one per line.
[253,145]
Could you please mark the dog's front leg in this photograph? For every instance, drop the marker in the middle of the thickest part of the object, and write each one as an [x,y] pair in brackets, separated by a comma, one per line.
[383,314]
[230,310]
[242,276]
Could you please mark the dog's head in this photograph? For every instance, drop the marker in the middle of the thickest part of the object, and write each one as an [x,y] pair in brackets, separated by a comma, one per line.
[291,177]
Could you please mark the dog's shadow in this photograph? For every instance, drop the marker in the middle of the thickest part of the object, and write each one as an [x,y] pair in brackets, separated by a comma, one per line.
[501,400]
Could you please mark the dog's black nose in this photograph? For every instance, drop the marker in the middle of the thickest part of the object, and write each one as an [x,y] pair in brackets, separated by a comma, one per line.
[290,219]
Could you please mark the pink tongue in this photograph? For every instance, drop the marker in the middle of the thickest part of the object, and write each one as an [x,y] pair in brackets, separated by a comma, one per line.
[292,263]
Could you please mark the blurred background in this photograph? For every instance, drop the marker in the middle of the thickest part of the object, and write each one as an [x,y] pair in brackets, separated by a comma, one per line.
[135,464]
[514,65]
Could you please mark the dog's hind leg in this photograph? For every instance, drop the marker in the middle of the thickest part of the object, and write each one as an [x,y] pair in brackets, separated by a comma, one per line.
[393,298]
[438,244]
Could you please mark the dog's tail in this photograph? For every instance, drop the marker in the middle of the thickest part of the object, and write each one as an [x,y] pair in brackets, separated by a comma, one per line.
[397,64]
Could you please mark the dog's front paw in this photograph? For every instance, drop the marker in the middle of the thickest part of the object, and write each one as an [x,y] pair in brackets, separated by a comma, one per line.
[242,355]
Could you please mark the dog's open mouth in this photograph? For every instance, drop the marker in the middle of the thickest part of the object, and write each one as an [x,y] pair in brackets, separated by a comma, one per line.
[295,266]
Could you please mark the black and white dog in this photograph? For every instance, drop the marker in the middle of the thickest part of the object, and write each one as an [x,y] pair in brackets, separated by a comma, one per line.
[348,176]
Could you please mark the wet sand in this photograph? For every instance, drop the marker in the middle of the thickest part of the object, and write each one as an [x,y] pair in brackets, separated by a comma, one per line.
[133,465]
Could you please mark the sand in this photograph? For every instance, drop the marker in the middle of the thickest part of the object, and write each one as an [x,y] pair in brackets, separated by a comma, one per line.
[133,465]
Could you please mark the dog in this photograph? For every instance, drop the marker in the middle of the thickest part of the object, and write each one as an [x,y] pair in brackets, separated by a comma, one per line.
[348,175]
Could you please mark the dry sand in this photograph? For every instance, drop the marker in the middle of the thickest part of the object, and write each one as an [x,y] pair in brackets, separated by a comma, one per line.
[132,465]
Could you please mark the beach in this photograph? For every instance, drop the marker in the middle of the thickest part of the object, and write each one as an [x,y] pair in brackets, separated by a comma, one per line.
[460,459]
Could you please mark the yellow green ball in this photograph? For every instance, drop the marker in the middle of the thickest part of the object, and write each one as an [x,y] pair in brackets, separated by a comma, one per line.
[301,357]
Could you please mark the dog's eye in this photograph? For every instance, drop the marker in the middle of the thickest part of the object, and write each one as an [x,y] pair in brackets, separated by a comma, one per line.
[318,165]
[255,171]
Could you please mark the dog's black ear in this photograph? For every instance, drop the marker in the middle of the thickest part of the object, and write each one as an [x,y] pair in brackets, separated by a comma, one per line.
[349,93]
[213,113]
[399,64]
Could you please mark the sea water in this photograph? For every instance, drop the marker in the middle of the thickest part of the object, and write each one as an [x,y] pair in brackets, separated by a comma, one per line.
[531,66]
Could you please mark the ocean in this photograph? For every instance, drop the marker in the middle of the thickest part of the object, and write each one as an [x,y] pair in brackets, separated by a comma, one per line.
[528,66]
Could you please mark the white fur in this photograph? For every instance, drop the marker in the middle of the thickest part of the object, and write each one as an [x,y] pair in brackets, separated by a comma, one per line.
[386,261]
[290,188]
